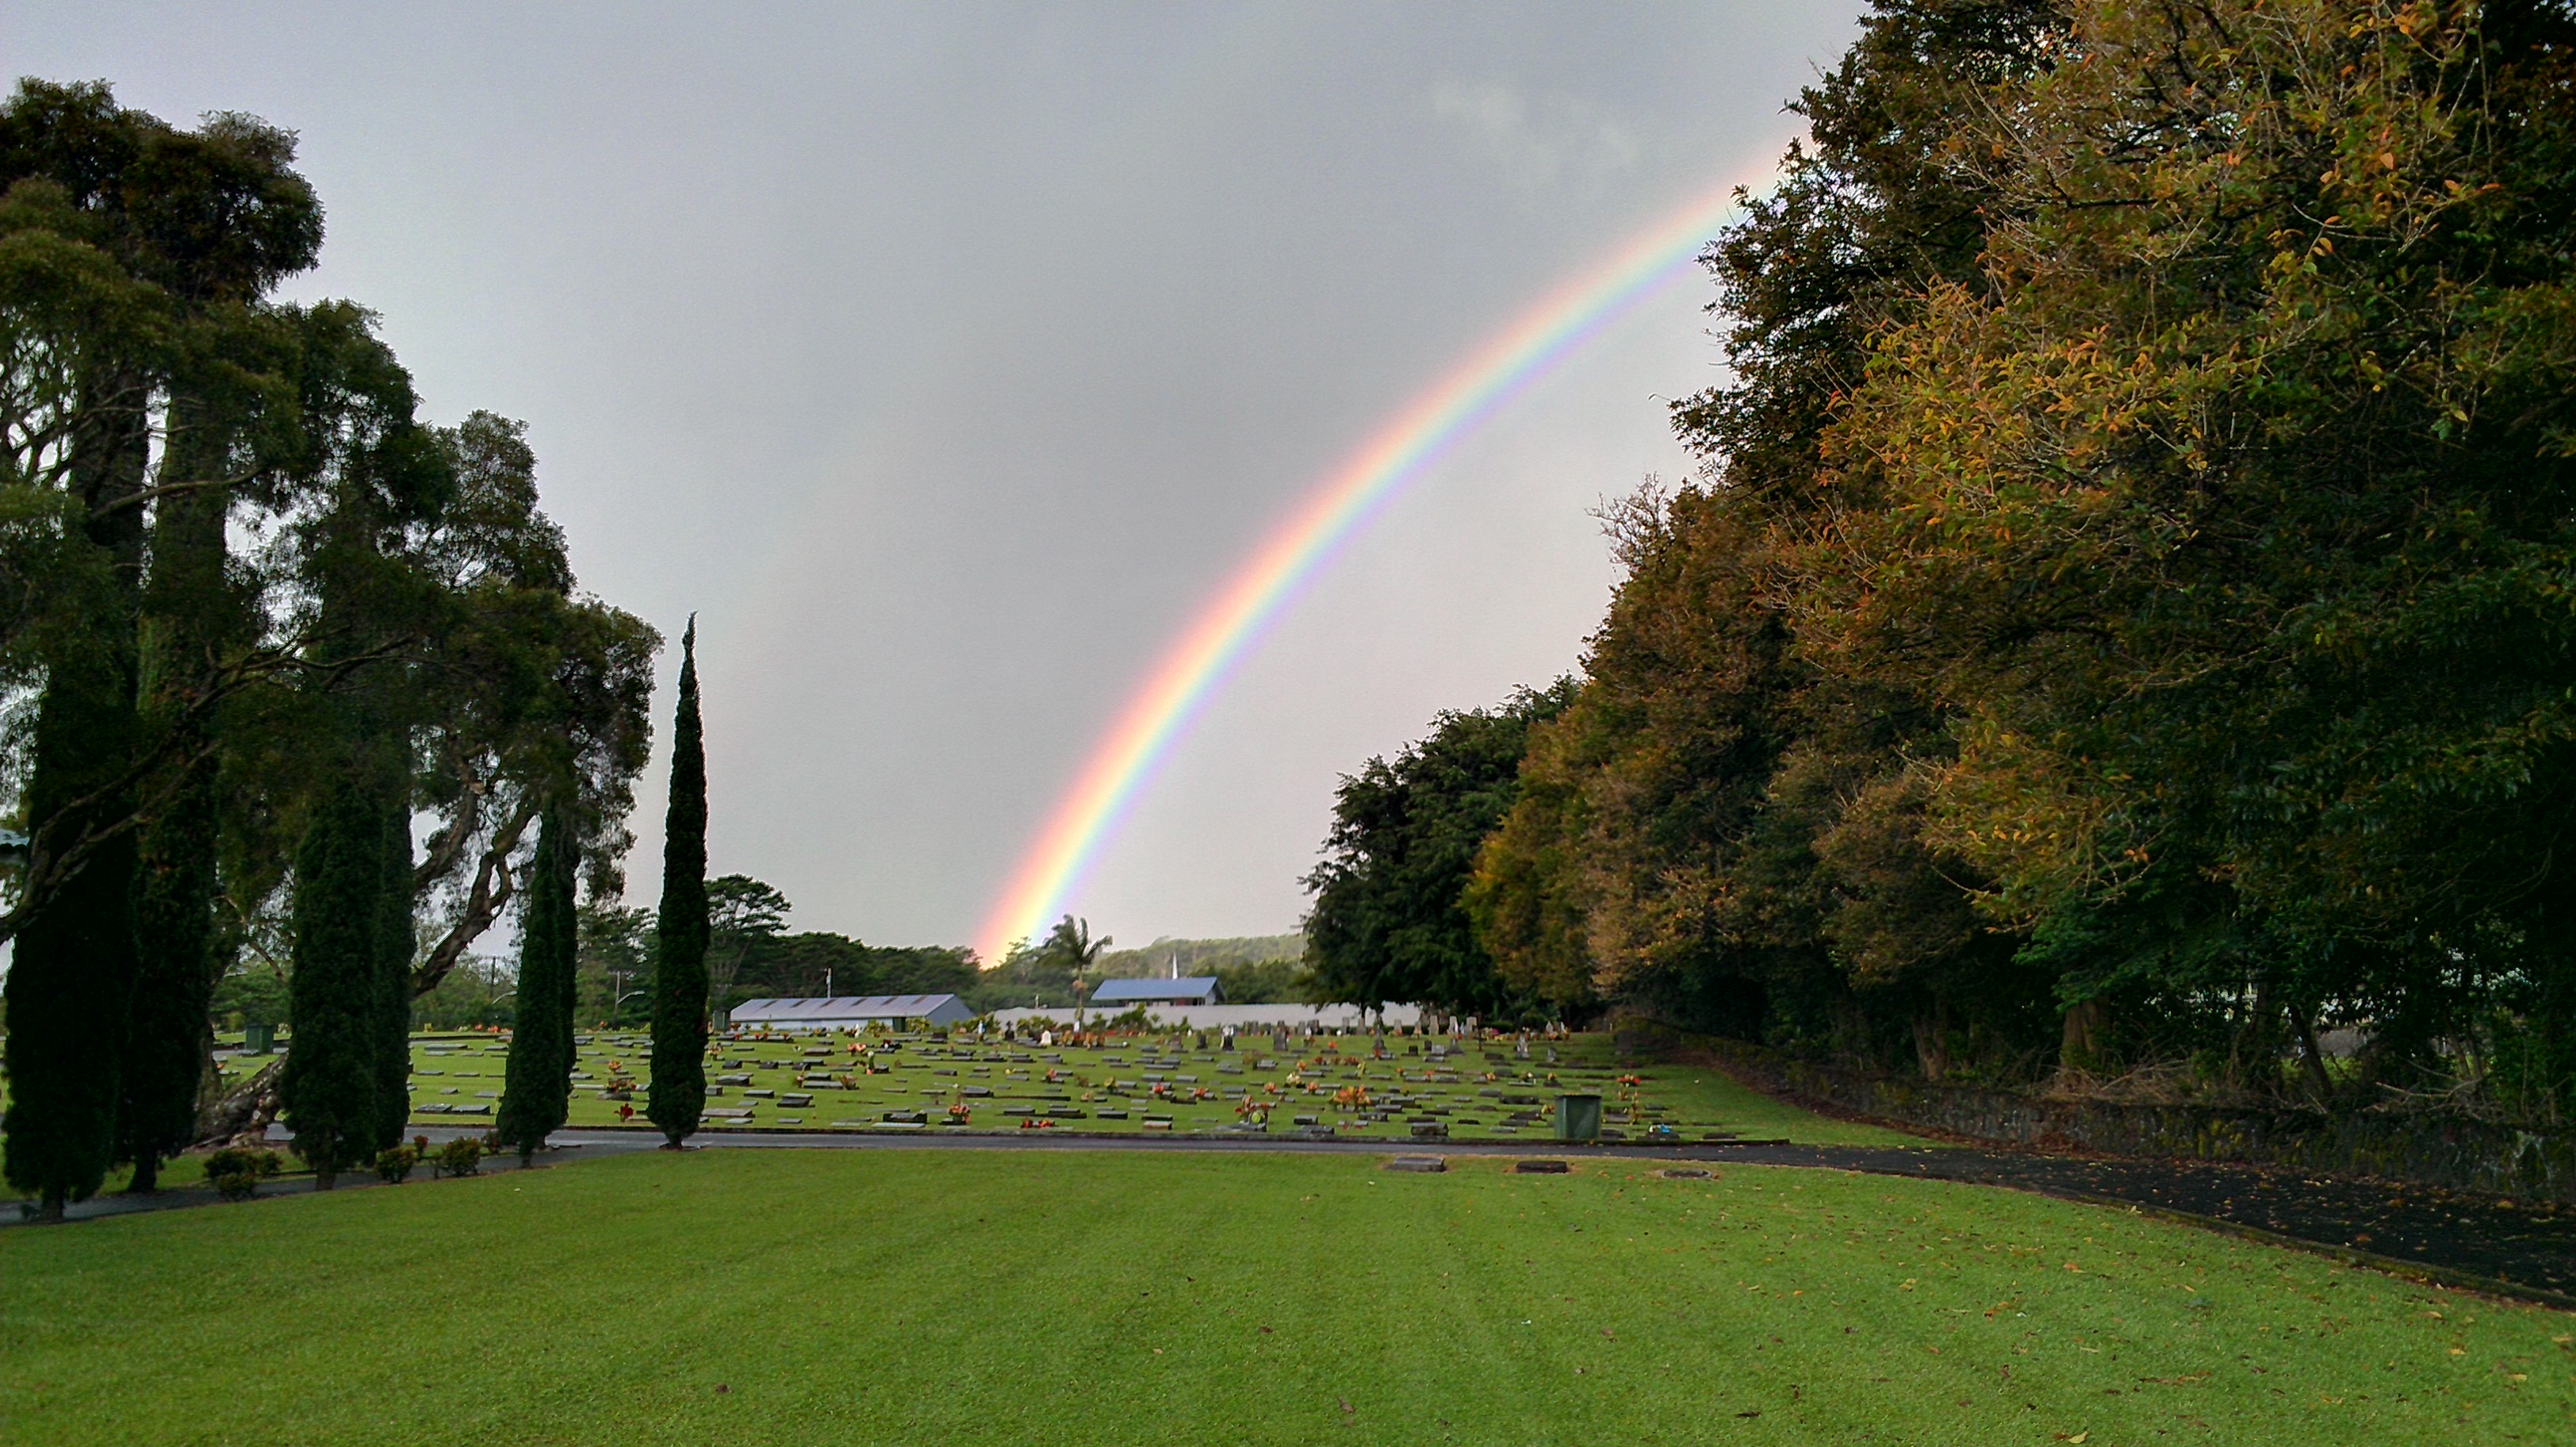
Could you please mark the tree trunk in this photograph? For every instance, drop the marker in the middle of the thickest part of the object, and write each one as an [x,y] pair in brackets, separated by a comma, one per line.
[2081,1046]
[1932,1038]
[2304,1022]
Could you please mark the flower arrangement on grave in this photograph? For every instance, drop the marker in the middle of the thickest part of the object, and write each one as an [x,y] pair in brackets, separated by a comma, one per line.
[1202,1093]
[1351,1097]
[960,1112]
[1032,1123]
[1629,1092]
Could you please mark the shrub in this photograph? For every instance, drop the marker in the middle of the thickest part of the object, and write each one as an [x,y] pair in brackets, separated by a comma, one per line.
[462,1156]
[242,1160]
[394,1165]
[235,1185]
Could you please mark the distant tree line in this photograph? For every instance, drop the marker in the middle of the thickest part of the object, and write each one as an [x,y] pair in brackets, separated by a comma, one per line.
[2122,622]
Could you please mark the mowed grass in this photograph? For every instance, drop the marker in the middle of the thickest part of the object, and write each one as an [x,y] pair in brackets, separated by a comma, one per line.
[917,1296]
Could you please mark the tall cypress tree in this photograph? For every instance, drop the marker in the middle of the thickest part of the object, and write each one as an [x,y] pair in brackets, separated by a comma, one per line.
[679,1087]
[537,1095]
[191,614]
[73,972]
[396,942]
[167,1033]
[335,993]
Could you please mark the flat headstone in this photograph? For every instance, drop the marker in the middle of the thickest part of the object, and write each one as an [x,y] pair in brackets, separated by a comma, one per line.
[1683,1173]
[1427,1165]
[1540,1168]
[489,1094]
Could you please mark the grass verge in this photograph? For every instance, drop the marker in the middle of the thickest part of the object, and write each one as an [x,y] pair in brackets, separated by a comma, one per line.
[758,1297]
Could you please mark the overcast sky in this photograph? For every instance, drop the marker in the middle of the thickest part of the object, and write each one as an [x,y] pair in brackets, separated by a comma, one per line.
[945,358]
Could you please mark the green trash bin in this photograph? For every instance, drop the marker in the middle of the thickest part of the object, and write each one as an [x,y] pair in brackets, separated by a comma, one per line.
[1578,1117]
[258,1039]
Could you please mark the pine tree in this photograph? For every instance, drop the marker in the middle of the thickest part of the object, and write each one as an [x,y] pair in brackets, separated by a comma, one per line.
[334,996]
[679,1087]
[396,941]
[538,1093]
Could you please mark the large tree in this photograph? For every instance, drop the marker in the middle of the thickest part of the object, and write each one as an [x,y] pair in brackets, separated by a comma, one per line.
[678,1093]
[132,252]
[1389,921]
[2228,507]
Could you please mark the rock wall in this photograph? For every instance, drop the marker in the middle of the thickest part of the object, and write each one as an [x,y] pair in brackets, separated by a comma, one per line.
[2426,1147]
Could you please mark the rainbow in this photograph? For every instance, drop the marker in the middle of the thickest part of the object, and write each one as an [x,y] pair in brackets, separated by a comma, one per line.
[1198,662]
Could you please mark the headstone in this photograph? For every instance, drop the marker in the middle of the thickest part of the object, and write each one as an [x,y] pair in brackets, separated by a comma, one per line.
[1539,1168]
[1578,1117]
[1425,1165]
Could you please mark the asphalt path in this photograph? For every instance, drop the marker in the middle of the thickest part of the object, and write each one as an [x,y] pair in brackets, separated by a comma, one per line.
[2519,1249]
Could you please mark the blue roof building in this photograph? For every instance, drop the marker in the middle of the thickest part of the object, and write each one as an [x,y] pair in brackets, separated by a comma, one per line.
[1188,990]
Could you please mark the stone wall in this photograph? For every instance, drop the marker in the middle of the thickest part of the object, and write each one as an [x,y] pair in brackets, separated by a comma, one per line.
[2424,1147]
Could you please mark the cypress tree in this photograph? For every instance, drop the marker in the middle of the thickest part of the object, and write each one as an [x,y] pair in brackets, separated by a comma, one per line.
[72,973]
[73,970]
[537,1095]
[396,942]
[167,1035]
[334,996]
[191,613]
[679,1086]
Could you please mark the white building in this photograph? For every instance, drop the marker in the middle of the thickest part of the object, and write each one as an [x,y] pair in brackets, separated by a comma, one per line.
[1244,1018]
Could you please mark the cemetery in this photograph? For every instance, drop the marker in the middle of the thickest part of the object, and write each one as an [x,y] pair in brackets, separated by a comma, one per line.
[1392,1087]
[2033,918]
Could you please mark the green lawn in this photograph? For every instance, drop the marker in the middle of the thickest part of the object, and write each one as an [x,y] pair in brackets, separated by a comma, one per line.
[1068,1297]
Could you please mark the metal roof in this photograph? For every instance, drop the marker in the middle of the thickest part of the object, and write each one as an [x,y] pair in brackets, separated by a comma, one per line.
[847,1007]
[1187,987]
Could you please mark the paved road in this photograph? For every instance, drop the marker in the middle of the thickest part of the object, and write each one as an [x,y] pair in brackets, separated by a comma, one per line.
[2527,1250]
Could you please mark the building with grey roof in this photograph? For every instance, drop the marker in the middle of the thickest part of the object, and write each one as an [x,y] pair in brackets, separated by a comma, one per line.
[1116,995]
[847,1012]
